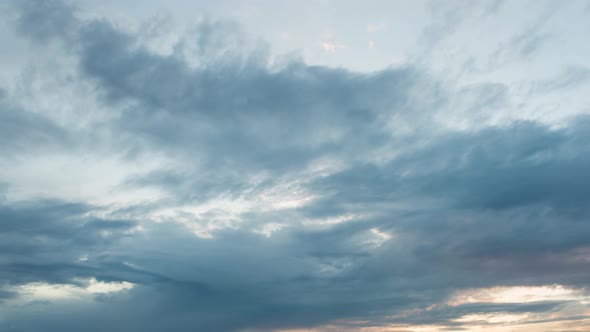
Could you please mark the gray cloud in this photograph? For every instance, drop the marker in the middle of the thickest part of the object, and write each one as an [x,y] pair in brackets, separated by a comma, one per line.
[44,241]
[503,205]
[239,104]
[22,130]
[34,23]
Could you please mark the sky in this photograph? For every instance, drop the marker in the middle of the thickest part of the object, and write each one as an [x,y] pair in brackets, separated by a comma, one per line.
[294,166]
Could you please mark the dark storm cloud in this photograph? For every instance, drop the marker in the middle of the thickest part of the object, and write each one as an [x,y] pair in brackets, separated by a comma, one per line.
[44,240]
[495,168]
[482,208]
[237,279]
[503,206]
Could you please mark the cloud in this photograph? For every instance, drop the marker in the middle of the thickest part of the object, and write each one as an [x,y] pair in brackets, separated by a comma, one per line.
[45,240]
[571,77]
[25,131]
[285,195]
[44,20]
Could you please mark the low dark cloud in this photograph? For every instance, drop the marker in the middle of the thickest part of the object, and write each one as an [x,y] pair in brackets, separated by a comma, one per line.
[43,241]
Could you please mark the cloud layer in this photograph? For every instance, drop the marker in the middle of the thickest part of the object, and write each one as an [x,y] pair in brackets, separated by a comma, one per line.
[215,186]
